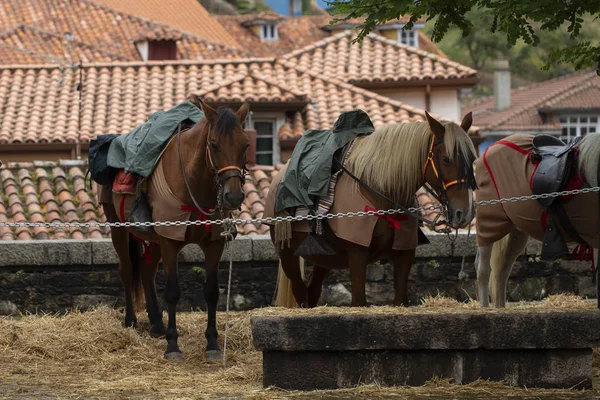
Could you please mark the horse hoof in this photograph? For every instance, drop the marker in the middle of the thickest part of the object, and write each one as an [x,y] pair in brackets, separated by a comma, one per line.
[157,333]
[174,355]
[214,355]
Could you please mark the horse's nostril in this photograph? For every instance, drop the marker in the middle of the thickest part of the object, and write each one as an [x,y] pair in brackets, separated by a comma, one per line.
[458,214]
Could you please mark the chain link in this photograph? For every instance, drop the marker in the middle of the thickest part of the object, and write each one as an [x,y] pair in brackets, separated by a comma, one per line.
[229,221]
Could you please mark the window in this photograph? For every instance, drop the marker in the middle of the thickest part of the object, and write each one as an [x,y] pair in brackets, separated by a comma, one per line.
[409,38]
[269,32]
[578,125]
[265,141]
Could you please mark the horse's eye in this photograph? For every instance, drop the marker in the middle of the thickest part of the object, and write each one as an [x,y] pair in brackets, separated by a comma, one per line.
[446,161]
[213,145]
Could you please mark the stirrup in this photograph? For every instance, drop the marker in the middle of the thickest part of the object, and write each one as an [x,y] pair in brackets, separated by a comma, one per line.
[140,210]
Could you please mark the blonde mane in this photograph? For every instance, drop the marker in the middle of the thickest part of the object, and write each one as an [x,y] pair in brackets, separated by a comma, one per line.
[392,158]
[589,157]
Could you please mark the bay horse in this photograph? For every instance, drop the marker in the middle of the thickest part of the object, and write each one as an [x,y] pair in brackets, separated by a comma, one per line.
[506,170]
[389,166]
[205,171]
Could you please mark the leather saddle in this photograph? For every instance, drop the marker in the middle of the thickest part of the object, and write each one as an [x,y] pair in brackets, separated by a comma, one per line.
[557,160]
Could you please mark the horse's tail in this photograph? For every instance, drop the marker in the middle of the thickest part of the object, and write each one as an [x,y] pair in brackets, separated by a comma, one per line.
[284,297]
[135,286]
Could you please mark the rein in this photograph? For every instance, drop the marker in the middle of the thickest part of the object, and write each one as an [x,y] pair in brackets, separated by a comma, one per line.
[216,172]
[432,159]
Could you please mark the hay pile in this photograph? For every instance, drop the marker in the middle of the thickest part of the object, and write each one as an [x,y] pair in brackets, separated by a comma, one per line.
[90,355]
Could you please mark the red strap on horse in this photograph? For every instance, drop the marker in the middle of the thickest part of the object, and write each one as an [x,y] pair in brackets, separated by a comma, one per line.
[584,253]
[392,220]
[201,216]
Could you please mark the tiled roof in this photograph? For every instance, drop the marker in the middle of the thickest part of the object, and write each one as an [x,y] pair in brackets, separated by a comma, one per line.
[47,192]
[41,105]
[294,33]
[577,90]
[375,59]
[26,45]
[185,15]
[270,16]
[96,27]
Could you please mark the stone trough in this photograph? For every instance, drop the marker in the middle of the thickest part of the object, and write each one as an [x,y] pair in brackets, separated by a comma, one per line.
[522,348]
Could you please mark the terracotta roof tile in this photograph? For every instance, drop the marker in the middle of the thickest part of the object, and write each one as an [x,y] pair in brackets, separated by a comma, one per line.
[47,193]
[185,15]
[375,59]
[100,33]
[111,92]
[577,90]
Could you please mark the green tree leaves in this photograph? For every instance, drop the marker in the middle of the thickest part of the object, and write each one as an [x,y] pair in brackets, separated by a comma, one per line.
[518,20]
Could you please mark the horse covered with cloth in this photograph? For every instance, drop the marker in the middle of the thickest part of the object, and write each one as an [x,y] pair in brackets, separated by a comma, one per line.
[380,171]
[199,176]
[526,165]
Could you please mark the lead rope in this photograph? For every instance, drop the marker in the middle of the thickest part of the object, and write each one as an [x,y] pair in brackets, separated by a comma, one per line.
[229,235]
[462,274]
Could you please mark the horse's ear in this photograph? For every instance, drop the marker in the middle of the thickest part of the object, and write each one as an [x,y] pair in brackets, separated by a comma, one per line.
[209,113]
[466,122]
[242,112]
[437,128]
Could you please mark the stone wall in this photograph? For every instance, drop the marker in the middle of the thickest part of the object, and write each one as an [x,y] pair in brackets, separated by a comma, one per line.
[59,275]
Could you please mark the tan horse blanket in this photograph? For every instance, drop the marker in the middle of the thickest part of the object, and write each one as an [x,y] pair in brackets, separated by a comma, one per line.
[505,170]
[165,207]
[358,230]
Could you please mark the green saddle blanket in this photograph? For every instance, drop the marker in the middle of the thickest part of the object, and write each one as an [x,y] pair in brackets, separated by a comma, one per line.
[309,169]
[138,150]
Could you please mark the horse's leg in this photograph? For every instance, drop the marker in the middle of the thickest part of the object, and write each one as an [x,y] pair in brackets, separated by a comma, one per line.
[149,280]
[315,285]
[403,261]
[504,253]
[212,254]
[129,260]
[291,267]
[170,250]
[358,257]
[483,269]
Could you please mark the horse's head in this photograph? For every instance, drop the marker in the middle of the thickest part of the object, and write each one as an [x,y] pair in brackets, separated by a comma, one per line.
[226,149]
[449,169]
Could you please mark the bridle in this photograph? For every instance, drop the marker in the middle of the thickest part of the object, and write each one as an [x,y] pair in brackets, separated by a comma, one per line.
[219,181]
[433,160]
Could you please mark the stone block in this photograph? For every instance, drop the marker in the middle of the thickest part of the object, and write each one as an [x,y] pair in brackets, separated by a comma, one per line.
[441,246]
[263,249]
[86,301]
[531,349]
[103,252]
[334,370]
[8,308]
[458,331]
[45,252]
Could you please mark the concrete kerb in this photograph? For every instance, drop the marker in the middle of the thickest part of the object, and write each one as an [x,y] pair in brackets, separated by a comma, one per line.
[243,248]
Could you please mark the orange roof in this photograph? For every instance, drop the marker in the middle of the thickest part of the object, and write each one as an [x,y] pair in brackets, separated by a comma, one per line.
[98,31]
[186,15]
[41,104]
[375,59]
[26,45]
[575,91]
[294,33]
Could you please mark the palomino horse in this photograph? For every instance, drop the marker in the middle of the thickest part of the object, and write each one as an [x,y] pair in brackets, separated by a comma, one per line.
[394,162]
[505,170]
[205,170]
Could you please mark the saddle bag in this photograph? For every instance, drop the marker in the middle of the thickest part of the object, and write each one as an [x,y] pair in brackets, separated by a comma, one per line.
[98,167]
